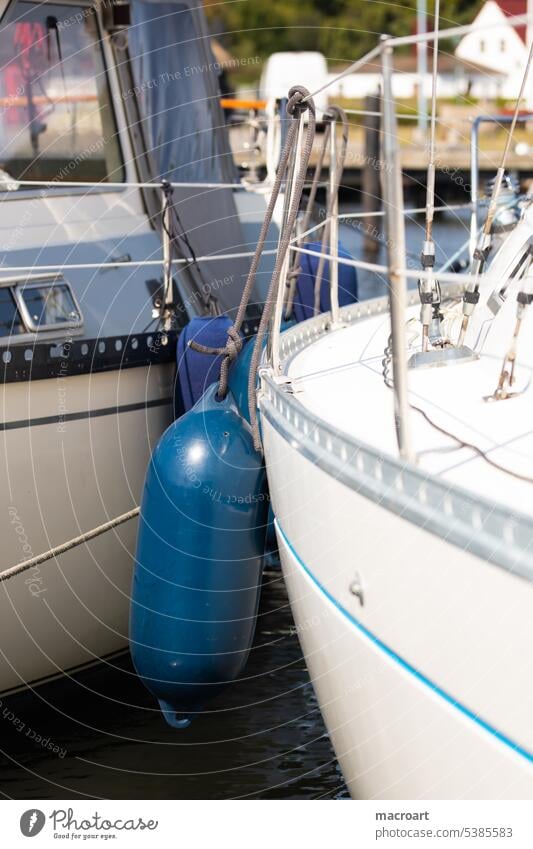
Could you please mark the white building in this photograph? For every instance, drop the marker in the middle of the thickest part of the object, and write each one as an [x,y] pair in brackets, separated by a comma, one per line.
[498,46]
[488,62]
[456,78]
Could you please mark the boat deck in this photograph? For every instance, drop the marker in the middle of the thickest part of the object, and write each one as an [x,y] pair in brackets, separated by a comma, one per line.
[340,378]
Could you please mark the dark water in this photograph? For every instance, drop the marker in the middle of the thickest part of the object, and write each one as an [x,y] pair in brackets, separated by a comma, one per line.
[101,735]
[263,738]
[450,232]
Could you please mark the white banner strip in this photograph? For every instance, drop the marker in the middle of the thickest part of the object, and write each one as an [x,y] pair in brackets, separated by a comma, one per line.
[320,825]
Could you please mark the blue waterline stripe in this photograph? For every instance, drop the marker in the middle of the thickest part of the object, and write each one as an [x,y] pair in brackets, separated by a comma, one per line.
[499,735]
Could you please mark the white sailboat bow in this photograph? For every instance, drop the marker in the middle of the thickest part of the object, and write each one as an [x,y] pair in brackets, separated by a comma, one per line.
[401,475]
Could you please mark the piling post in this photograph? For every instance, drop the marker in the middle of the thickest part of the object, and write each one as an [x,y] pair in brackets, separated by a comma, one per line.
[370,177]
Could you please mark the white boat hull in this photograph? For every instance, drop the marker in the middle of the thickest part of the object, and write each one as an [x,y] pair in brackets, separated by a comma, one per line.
[61,477]
[425,688]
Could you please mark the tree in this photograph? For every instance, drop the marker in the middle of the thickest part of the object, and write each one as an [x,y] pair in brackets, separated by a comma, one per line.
[341,29]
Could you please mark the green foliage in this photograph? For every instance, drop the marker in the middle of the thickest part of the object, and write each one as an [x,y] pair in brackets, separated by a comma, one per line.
[341,29]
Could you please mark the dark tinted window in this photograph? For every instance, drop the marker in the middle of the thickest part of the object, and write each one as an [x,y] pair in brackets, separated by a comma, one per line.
[10,321]
[56,116]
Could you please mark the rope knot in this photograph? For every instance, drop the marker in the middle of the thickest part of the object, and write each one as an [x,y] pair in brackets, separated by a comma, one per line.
[296,103]
[234,344]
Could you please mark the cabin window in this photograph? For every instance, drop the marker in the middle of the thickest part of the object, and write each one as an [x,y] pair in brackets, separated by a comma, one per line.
[10,320]
[56,115]
[49,305]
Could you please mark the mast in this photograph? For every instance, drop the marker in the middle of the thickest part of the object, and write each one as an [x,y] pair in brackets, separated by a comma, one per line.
[394,217]
[430,315]
[529,42]
[422,65]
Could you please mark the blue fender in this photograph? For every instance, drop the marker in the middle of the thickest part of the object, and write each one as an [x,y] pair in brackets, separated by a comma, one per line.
[239,375]
[304,295]
[197,576]
[196,371]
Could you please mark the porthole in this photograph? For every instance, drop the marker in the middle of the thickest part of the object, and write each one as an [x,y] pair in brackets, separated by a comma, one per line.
[47,305]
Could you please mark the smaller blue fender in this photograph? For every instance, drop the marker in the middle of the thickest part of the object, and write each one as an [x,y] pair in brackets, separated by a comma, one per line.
[196,371]
[304,296]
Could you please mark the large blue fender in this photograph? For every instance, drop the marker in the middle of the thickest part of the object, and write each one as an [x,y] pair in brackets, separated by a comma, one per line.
[200,546]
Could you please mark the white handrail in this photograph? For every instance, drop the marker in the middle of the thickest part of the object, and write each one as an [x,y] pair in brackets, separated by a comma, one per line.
[410,273]
[409,116]
[449,277]
[453,207]
[452,32]
[140,263]
[376,51]
[102,184]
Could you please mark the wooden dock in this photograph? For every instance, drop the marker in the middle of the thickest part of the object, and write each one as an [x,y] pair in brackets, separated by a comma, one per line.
[453,161]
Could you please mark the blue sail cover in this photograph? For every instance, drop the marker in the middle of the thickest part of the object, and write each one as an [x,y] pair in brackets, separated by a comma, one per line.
[176,82]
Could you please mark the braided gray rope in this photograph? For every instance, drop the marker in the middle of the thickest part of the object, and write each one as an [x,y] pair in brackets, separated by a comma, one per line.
[295,107]
[335,113]
[234,343]
[295,266]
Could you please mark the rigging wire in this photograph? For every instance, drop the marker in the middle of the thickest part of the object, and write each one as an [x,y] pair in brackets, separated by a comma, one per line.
[472,446]
[481,253]
[336,171]
[429,288]
[461,443]
[524,299]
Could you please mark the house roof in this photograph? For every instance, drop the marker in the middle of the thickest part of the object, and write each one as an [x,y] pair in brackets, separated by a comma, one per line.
[514,7]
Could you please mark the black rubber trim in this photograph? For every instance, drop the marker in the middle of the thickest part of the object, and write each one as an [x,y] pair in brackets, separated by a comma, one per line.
[20,362]
[85,414]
